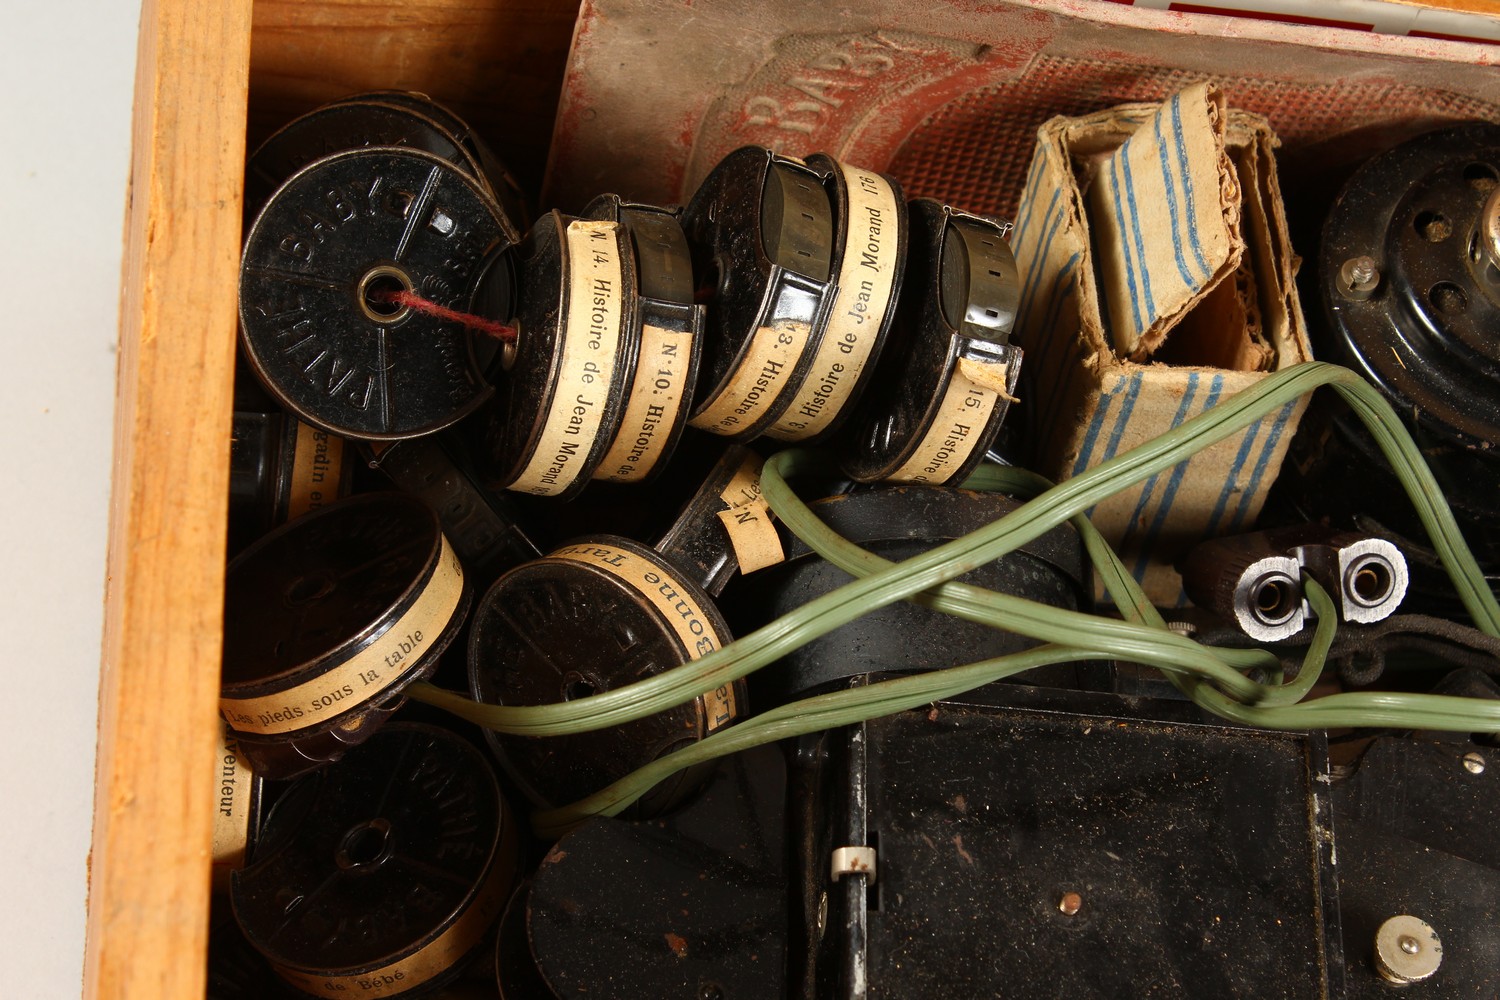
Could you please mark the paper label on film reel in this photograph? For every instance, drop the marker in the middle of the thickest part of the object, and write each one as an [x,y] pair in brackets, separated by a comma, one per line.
[684,615]
[759,379]
[317,469]
[866,283]
[365,674]
[591,335]
[440,954]
[973,391]
[235,794]
[748,519]
[656,398]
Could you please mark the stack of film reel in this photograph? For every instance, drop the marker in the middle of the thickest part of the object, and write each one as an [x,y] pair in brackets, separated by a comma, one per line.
[402,331]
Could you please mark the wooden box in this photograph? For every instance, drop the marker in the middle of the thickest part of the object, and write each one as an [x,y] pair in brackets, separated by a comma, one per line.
[213,77]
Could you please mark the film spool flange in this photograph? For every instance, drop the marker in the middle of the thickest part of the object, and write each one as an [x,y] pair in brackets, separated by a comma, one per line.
[592,616]
[669,329]
[355,123]
[761,229]
[383,874]
[317,258]
[869,258]
[327,620]
[947,376]
[492,169]
[569,372]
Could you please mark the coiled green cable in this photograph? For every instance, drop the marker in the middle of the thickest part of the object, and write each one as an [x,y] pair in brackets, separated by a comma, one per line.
[765,645]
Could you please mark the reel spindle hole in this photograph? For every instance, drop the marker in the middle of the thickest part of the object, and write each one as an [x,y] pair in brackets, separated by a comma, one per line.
[376,289]
[366,845]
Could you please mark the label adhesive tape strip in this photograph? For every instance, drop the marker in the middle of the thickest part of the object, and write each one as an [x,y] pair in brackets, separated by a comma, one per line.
[761,229]
[236,810]
[948,375]
[574,359]
[870,257]
[670,335]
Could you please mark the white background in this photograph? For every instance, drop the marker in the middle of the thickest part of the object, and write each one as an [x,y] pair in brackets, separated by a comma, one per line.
[67,70]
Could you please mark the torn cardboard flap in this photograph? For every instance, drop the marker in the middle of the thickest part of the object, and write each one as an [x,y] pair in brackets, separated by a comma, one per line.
[1086,403]
[1164,216]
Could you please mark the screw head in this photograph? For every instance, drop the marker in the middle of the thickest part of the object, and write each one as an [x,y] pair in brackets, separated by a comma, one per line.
[1070,903]
[1407,950]
[1473,762]
[1359,277]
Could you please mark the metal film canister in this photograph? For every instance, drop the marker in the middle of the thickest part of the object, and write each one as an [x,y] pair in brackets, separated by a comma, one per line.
[669,332]
[761,230]
[320,259]
[569,371]
[383,874]
[947,376]
[604,611]
[327,620]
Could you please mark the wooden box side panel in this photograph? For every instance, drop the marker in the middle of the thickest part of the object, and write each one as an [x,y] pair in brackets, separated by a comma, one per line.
[498,63]
[149,870]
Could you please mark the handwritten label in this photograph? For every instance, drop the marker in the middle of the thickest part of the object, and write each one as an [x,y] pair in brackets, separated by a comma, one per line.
[590,332]
[748,519]
[867,277]
[438,955]
[656,398]
[366,673]
[967,404]
[670,596]
[317,470]
[759,380]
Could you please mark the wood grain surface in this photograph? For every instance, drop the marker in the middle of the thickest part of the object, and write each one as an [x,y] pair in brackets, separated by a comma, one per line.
[159,685]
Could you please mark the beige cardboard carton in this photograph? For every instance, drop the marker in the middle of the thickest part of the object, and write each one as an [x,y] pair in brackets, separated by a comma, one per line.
[1157,280]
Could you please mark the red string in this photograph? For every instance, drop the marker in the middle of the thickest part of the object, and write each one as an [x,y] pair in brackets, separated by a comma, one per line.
[415,302]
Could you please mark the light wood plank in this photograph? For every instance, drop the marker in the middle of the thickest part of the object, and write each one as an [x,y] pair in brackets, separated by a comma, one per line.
[154,792]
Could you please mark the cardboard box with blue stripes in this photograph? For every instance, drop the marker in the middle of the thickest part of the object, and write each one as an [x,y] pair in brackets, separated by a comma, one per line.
[1157,280]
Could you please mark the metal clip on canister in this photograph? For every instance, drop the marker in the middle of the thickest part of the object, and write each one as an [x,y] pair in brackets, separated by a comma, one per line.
[946,378]
[1255,579]
[603,611]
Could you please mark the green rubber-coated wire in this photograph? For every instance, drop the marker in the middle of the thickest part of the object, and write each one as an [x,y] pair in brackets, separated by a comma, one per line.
[827,711]
[885,697]
[826,613]
[1334,711]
